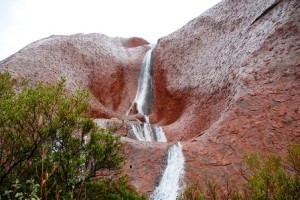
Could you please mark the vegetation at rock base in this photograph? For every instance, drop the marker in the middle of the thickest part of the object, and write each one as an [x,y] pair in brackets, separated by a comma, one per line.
[116,190]
[271,176]
[49,148]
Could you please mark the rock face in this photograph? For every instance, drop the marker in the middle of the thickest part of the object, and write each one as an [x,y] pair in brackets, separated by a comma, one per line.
[108,67]
[228,83]
[225,84]
[145,163]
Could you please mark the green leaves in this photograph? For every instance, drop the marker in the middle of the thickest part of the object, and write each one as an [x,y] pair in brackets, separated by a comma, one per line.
[32,117]
[21,191]
[111,189]
[46,136]
[273,176]
[105,148]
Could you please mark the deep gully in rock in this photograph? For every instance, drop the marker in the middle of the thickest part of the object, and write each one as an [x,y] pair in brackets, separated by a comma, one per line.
[169,185]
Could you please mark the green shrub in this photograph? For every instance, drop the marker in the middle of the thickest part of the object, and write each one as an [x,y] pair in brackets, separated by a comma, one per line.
[271,176]
[111,189]
[18,190]
[48,142]
[193,192]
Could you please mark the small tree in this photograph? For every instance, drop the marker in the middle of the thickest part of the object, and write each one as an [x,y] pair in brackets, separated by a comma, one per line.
[47,140]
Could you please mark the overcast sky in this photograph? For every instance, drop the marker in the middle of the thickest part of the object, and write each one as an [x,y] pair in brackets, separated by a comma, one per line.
[25,21]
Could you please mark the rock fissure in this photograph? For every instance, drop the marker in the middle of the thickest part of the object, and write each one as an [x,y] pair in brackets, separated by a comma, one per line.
[267,10]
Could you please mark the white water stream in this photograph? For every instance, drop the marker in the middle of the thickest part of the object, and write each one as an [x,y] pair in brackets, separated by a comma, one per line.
[144,93]
[169,186]
[143,101]
[147,132]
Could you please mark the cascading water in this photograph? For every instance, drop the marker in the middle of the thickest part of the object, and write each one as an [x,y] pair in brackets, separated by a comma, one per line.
[159,133]
[143,101]
[147,129]
[136,130]
[147,132]
[169,185]
[144,93]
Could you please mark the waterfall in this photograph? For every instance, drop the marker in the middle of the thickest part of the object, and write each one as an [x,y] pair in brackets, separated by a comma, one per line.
[143,101]
[159,133]
[143,97]
[137,132]
[169,185]
[147,132]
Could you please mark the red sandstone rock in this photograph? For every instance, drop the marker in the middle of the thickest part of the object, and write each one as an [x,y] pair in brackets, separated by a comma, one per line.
[227,83]
[108,67]
[134,42]
[145,163]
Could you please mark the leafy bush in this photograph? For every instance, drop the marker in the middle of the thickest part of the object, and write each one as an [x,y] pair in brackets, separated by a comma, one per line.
[18,190]
[271,176]
[108,189]
[49,148]
[193,192]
